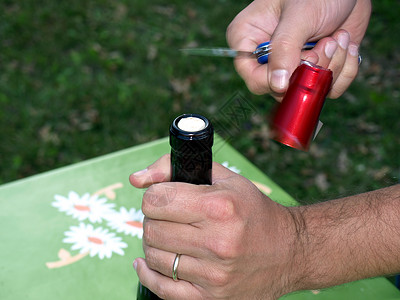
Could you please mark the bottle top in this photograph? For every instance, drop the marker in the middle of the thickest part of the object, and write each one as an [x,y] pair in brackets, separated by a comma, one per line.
[191,124]
[191,128]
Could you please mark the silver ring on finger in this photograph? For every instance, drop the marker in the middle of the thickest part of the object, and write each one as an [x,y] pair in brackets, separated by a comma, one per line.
[175,267]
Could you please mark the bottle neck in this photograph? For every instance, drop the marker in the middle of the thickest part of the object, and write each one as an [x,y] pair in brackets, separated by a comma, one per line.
[192,168]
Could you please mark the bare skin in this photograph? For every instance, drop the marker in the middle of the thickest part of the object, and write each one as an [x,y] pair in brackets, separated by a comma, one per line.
[236,243]
[339,25]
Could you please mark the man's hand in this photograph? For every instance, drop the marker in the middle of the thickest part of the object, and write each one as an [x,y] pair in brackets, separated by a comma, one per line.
[235,242]
[339,25]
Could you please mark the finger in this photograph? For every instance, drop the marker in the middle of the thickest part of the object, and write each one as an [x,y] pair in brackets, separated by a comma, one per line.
[253,74]
[339,58]
[174,237]
[307,55]
[175,201]
[194,270]
[348,73]
[242,34]
[187,203]
[159,171]
[286,43]
[163,261]
[324,50]
[164,287]
[310,56]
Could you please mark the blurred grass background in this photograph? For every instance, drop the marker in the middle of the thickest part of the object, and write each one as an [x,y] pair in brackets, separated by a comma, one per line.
[84,78]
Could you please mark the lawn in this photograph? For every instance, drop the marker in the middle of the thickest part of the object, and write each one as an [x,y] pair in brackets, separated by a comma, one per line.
[81,79]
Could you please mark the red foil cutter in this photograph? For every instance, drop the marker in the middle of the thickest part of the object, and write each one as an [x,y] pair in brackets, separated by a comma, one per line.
[296,118]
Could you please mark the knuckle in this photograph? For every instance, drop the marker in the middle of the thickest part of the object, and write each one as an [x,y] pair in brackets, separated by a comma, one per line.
[338,89]
[148,198]
[226,243]
[336,69]
[149,234]
[220,285]
[256,84]
[220,207]
[349,73]
[226,248]
[257,87]
[160,290]
[151,258]
[158,195]
[233,32]
[334,93]
[284,42]
[219,278]
[230,30]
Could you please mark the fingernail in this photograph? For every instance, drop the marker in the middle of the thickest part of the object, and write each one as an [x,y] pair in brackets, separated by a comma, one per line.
[140,173]
[135,264]
[353,50]
[279,79]
[330,49]
[343,40]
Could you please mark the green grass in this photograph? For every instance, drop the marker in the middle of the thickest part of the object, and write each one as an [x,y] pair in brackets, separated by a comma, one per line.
[81,79]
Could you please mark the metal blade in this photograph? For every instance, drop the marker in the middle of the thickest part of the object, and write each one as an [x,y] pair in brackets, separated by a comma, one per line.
[224,52]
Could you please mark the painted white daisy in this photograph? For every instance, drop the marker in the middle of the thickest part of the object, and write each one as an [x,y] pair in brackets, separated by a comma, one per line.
[129,222]
[95,241]
[86,207]
[232,168]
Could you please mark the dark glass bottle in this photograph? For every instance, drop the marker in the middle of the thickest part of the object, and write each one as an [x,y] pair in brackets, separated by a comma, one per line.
[191,137]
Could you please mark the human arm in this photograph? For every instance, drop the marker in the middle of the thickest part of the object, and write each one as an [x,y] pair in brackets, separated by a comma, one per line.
[350,238]
[339,25]
[236,243]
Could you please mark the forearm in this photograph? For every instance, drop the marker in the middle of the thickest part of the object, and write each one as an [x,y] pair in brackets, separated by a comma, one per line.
[347,239]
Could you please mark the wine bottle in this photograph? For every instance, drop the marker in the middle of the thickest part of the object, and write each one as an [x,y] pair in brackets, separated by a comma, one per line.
[191,137]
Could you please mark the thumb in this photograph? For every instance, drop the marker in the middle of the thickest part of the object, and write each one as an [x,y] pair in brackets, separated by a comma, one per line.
[160,171]
[287,42]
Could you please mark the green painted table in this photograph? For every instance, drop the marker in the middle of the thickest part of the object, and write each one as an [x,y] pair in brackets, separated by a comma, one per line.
[73,233]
